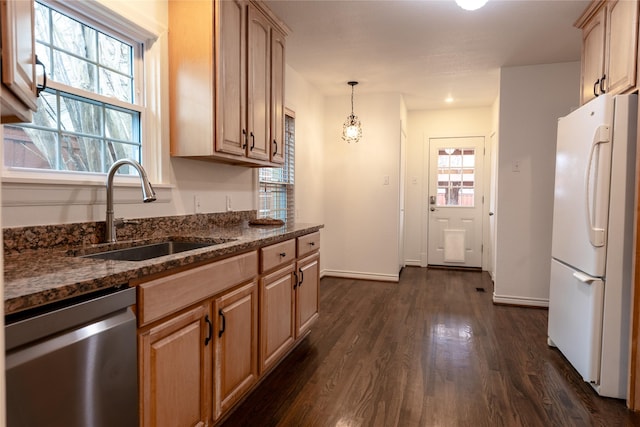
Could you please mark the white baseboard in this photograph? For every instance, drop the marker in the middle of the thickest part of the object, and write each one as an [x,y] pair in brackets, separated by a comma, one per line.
[526,301]
[361,276]
[413,263]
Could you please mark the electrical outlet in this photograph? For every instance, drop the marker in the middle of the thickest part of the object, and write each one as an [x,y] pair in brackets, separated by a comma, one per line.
[385,180]
[197,208]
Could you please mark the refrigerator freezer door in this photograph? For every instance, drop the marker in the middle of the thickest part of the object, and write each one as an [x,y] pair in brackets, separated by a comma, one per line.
[581,198]
[575,318]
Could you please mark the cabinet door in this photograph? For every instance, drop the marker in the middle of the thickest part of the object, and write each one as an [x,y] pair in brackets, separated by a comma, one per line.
[277,321]
[259,96]
[173,371]
[307,301]
[236,345]
[593,44]
[18,59]
[232,79]
[622,45]
[277,96]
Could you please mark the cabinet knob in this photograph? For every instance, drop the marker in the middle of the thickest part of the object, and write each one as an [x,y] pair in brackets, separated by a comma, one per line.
[595,88]
[602,88]
[253,141]
[244,134]
[283,254]
[275,143]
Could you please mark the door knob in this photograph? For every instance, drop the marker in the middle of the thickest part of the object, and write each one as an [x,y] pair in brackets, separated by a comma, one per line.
[490,213]
[432,209]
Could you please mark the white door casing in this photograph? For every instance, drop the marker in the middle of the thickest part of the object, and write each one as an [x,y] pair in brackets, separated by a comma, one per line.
[455,201]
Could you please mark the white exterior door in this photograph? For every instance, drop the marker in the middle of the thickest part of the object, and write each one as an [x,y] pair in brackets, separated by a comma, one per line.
[455,201]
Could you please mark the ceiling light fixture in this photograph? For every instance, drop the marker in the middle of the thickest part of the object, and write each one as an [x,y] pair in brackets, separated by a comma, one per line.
[471,4]
[351,129]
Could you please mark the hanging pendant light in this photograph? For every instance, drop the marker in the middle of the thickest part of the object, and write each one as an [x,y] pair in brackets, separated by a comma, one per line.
[352,130]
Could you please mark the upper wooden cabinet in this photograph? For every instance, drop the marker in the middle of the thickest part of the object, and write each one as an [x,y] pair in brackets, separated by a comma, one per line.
[277,96]
[18,91]
[609,48]
[226,82]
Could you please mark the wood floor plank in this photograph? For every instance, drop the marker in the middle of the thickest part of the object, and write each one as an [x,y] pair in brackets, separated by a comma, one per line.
[431,350]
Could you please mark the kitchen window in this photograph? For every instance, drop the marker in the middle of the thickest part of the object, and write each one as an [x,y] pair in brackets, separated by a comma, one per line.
[276,194]
[91,113]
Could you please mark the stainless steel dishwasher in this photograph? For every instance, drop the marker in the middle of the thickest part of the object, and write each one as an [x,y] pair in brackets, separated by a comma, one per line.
[75,366]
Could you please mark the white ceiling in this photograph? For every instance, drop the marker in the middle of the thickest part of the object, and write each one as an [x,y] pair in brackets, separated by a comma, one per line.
[426,50]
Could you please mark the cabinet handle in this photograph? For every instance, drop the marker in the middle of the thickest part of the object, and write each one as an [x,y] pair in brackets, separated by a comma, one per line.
[244,133]
[283,254]
[253,142]
[295,283]
[595,85]
[276,150]
[602,90]
[210,325]
[301,277]
[43,86]
[224,323]
[312,243]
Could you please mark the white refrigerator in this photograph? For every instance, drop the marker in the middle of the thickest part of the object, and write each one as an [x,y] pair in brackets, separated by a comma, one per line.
[592,244]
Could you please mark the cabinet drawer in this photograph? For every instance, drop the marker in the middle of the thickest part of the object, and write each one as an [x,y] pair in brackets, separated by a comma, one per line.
[278,254]
[308,243]
[160,297]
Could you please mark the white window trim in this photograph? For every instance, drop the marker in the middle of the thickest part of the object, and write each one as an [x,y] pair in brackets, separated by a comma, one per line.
[123,17]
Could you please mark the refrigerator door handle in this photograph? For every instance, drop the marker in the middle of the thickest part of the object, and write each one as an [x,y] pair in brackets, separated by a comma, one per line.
[584,278]
[596,234]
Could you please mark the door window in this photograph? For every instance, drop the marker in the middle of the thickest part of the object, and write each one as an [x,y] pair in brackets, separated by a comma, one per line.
[456,177]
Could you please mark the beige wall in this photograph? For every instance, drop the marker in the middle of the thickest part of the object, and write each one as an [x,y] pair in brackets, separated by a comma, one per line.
[361,211]
[531,100]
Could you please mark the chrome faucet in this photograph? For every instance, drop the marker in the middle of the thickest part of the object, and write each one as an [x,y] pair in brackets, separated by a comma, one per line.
[148,195]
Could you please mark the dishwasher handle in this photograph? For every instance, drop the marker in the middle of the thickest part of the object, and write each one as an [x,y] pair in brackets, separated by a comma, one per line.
[43,325]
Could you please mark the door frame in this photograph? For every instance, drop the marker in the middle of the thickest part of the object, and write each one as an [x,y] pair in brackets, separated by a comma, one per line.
[424,217]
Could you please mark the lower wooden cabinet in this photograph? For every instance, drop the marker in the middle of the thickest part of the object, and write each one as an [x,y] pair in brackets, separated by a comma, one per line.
[307,299]
[277,315]
[207,334]
[175,371]
[236,346]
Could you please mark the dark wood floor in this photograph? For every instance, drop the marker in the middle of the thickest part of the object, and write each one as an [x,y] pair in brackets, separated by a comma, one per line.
[429,351]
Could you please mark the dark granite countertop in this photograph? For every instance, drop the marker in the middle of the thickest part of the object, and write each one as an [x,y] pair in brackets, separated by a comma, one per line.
[38,277]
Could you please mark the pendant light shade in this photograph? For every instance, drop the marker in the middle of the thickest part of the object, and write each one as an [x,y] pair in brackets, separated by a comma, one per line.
[352,130]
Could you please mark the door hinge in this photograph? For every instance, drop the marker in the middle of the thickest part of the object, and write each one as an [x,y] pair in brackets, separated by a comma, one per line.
[482,248]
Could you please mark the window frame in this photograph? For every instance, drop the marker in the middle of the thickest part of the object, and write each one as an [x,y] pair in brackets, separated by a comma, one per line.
[289,186]
[129,24]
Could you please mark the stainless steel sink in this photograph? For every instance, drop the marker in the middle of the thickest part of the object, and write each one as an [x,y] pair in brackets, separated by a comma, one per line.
[141,253]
